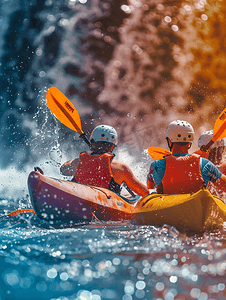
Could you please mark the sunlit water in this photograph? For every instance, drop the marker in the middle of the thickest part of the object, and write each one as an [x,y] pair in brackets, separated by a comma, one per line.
[109,261]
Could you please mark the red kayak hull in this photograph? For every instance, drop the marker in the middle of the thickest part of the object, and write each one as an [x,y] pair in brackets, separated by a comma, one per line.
[61,200]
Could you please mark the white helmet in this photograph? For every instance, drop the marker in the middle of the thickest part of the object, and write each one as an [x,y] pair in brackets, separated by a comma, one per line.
[180,131]
[206,137]
[104,133]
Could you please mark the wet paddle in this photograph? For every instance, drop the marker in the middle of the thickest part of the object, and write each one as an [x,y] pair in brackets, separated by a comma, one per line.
[67,114]
[64,111]
[158,153]
[219,132]
[17,212]
[21,211]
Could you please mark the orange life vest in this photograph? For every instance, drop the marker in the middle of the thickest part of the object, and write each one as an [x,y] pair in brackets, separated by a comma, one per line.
[216,188]
[182,174]
[94,170]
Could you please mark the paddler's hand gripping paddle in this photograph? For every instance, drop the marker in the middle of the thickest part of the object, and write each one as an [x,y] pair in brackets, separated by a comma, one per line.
[64,111]
[219,132]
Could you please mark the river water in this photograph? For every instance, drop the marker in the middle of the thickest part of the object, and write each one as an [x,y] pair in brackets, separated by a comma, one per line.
[109,261]
[135,65]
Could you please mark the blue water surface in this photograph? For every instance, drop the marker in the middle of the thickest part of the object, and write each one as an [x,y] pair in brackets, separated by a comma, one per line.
[108,261]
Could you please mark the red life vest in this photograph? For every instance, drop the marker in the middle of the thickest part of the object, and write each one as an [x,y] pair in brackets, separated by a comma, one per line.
[94,170]
[182,174]
[216,188]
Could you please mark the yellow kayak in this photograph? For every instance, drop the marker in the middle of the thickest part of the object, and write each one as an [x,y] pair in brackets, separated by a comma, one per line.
[197,212]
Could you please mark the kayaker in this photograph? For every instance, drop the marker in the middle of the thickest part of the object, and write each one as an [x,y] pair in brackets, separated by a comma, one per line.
[99,169]
[182,172]
[216,154]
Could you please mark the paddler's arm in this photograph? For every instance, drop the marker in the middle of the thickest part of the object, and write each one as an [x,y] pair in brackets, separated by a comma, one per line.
[222,181]
[69,168]
[210,172]
[133,183]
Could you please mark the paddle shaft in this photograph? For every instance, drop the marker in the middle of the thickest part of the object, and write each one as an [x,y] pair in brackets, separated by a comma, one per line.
[207,146]
[83,136]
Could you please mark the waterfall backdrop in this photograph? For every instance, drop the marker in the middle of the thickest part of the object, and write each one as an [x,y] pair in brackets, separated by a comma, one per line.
[135,65]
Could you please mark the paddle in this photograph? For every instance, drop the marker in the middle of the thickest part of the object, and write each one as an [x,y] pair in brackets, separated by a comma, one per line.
[67,114]
[17,212]
[21,211]
[219,132]
[64,111]
[158,153]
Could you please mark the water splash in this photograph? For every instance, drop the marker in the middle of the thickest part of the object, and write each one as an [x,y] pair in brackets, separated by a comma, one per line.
[155,61]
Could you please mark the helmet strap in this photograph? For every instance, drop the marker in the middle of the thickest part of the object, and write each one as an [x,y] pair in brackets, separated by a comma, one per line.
[170,146]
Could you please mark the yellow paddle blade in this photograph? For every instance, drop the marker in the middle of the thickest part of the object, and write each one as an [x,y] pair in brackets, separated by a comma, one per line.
[63,109]
[158,153]
[219,130]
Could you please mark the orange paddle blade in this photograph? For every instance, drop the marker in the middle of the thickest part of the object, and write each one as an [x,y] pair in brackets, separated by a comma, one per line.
[19,211]
[63,109]
[219,130]
[158,153]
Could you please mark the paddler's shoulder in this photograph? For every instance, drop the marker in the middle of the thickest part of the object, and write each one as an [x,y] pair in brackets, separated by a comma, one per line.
[222,168]
[161,163]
